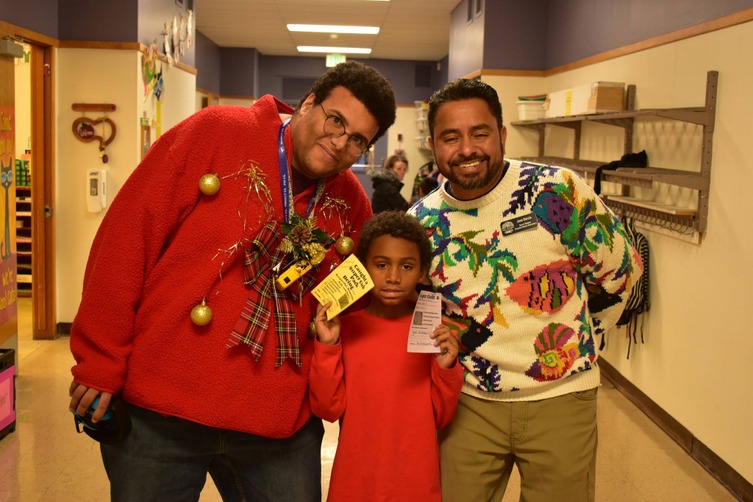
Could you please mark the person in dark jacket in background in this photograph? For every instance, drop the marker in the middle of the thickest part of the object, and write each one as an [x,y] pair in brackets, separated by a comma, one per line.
[387,182]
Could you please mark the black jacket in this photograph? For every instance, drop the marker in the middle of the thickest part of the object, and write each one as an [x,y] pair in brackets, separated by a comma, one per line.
[387,187]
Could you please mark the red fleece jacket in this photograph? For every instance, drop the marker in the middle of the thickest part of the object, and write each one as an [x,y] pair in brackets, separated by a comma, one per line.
[160,250]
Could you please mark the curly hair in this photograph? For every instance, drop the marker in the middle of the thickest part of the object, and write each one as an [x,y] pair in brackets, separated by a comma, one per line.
[395,224]
[464,88]
[365,83]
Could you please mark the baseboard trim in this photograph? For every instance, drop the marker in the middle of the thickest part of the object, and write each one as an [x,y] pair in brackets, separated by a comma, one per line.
[726,475]
[64,328]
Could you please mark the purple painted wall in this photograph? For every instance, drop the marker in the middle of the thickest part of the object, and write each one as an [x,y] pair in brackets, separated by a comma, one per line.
[466,41]
[275,70]
[515,35]
[98,21]
[238,71]
[40,16]
[582,28]
[207,64]
[543,34]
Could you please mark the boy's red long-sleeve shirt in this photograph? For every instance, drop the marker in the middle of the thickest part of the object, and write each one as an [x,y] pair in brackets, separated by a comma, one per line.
[390,404]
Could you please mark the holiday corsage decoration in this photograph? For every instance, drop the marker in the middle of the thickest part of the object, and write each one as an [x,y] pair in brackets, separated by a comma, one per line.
[308,245]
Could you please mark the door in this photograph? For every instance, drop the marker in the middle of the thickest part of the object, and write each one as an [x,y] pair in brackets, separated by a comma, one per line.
[41,83]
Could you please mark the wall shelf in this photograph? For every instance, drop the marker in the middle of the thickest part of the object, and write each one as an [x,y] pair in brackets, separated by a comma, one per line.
[23,240]
[680,219]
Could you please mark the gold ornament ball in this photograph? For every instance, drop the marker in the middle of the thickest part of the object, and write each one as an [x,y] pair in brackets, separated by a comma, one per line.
[201,315]
[344,245]
[209,184]
[312,330]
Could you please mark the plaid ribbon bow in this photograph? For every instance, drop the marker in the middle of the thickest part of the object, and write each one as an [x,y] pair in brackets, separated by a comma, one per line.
[254,321]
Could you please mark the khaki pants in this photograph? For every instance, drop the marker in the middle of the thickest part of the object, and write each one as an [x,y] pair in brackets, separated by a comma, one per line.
[552,441]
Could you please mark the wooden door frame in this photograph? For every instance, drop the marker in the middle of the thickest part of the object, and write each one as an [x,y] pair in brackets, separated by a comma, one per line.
[42,193]
[42,67]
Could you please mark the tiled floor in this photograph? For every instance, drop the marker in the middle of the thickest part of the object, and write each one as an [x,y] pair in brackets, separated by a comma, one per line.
[45,460]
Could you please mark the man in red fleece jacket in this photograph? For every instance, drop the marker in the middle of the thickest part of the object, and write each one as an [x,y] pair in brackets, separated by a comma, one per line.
[192,311]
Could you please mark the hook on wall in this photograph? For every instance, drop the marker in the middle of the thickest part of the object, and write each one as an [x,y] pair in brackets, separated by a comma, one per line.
[84,127]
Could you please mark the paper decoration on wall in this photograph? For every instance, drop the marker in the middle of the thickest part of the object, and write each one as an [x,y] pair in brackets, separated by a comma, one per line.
[175,27]
[168,44]
[182,34]
[177,37]
[189,29]
[146,133]
[151,69]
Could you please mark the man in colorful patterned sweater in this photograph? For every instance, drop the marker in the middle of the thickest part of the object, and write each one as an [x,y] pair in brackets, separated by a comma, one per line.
[181,315]
[534,267]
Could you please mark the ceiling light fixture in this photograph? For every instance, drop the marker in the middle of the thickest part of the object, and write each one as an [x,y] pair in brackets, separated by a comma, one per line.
[331,28]
[340,50]
[334,60]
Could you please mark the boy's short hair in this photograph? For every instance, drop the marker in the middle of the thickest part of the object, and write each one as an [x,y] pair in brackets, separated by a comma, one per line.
[395,224]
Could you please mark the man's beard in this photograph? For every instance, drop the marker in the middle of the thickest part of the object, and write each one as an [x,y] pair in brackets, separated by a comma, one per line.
[476,181]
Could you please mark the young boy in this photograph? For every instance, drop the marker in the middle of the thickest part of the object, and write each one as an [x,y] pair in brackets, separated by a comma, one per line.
[390,402]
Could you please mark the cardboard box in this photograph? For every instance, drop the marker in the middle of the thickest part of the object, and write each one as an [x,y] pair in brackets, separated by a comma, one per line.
[7,392]
[597,97]
[558,103]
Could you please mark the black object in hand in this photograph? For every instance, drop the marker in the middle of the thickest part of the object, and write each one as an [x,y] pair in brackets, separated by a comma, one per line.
[114,425]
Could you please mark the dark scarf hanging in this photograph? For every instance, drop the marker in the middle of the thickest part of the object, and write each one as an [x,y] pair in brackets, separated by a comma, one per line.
[639,159]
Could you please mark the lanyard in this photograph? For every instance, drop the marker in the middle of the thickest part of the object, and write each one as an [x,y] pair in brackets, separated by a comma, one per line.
[285,187]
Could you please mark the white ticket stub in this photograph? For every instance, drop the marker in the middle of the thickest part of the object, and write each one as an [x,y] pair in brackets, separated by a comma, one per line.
[426,316]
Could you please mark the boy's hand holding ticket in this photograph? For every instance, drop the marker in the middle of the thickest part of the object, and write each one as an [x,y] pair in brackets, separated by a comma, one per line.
[346,284]
[426,316]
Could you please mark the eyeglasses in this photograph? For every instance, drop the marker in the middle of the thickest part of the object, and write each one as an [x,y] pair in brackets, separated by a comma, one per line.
[334,128]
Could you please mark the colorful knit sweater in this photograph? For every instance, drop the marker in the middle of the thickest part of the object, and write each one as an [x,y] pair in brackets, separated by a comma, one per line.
[533,272]
[163,246]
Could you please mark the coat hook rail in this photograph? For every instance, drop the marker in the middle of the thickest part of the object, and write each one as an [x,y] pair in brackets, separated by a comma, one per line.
[93,107]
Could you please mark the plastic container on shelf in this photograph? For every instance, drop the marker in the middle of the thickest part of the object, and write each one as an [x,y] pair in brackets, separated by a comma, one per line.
[530,110]
[422,142]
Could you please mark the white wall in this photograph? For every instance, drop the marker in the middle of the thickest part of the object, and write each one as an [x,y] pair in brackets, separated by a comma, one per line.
[22,92]
[237,101]
[405,124]
[695,363]
[101,76]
